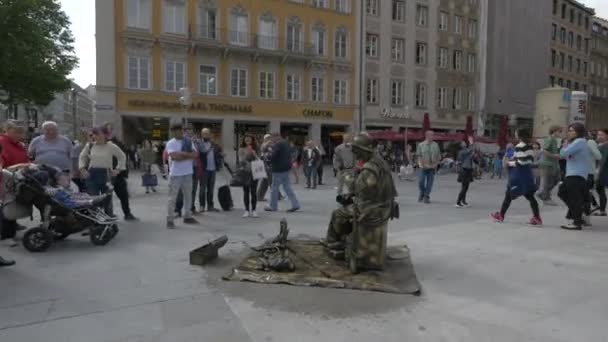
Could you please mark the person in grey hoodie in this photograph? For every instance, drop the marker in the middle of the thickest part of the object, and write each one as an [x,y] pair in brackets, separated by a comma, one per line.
[465,159]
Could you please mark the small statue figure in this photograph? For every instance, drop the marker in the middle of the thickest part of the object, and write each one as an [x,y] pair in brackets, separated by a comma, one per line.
[357,230]
[274,254]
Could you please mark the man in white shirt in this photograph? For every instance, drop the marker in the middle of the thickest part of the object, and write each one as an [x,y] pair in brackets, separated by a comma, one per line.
[181,153]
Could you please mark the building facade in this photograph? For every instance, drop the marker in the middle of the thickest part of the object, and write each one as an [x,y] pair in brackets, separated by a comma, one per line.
[598,89]
[420,57]
[72,110]
[253,66]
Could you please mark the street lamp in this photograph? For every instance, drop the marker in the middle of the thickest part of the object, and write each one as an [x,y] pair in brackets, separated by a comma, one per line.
[185,100]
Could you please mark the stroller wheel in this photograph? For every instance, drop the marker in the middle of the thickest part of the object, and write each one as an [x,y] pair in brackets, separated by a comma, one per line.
[101,235]
[37,239]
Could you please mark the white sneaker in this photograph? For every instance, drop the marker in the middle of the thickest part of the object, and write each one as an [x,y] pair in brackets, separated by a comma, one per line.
[254,214]
[246,214]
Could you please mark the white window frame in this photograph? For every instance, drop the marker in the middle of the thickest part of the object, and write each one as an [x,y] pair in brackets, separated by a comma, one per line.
[340,92]
[471,62]
[398,10]
[457,24]
[239,81]
[294,30]
[397,93]
[458,56]
[319,49]
[266,85]
[317,89]
[238,36]
[422,15]
[341,43]
[420,94]
[171,16]
[268,40]
[397,49]
[293,87]
[203,78]
[175,85]
[371,7]
[421,53]
[371,90]
[457,98]
[371,45]
[444,21]
[442,97]
[139,81]
[472,100]
[472,28]
[140,20]
[443,58]
[205,29]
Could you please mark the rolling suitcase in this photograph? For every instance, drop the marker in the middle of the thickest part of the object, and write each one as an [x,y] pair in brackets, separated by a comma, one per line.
[224,195]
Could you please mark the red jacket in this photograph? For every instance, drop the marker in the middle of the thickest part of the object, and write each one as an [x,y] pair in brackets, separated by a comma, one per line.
[13,152]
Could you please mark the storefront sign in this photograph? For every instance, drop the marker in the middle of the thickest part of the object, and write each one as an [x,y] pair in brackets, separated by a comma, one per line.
[316,113]
[197,106]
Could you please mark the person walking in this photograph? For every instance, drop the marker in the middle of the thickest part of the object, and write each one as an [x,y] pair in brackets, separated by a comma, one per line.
[119,181]
[212,159]
[596,156]
[51,148]
[96,164]
[248,152]
[344,161]
[181,152]
[148,158]
[265,156]
[465,177]
[602,179]
[521,178]
[319,147]
[295,161]
[429,157]
[549,166]
[574,191]
[310,160]
[13,154]
[280,158]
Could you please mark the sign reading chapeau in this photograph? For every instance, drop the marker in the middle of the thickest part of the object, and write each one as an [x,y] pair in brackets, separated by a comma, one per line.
[316,113]
[197,106]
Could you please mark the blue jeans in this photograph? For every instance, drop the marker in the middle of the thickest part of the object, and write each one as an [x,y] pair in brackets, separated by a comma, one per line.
[311,176]
[426,177]
[278,179]
[97,184]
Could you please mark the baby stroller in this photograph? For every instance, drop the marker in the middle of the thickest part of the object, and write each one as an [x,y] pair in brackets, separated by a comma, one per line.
[58,220]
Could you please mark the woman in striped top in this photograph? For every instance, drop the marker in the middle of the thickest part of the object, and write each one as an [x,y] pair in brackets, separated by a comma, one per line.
[521,178]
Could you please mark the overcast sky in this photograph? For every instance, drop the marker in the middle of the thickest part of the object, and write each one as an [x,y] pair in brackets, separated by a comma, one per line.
[82,15]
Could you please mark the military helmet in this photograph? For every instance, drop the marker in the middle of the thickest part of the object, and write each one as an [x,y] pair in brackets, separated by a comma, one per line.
[364,142]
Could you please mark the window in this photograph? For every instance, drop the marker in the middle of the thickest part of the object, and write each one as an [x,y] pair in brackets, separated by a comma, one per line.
[471,65]
[553,31]
[570,63]
[592,68]
[586,46]
[238,82]
[580,19]
[342,6]
[562,35]
[318,41]
[239,29]
[572,15]
[586,23]
[457,24]
[371,7]
[560,82]
[422,15]
[472,100]
[552,81]
[139,71]
[554,7]
[399,10]
[585,88]
[267,34]
[553,58]
[576,85]
[578,66]
[397,49]
[340,43]
[293,87]
[207,80]
[397,89]
[568,84]
[320,3]
[372,91]
[371,45]
[294,37]
[472,28]
[579,42]
[340,91]
[420,95]
[420,53]
[457,60]
[442,60]
[317,85]
[443,21]
[174,16]
[571,39]
[442,97]
[266,85]
[562,60]
[174,75]
[457,98]
[139,14]
[208,23]
[563,11]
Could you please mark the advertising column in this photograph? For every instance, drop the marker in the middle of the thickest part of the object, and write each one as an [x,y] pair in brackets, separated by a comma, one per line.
[578,107]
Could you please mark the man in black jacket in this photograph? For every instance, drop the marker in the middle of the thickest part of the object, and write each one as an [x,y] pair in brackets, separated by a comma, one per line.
[120,181]
[280,160]
[212,160]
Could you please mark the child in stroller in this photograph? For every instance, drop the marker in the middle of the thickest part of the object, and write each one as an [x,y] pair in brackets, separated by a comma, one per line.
[64,212]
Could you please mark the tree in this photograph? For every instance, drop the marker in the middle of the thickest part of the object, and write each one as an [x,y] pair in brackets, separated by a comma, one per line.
[36,50]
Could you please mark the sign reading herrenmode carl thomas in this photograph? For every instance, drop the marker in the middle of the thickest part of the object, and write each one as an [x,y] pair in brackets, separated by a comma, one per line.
[198,106]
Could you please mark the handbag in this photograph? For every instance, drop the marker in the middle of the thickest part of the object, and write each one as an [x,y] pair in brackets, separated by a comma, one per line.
[149,180]
[258,169]
[241,176]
